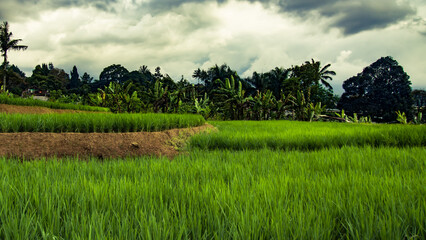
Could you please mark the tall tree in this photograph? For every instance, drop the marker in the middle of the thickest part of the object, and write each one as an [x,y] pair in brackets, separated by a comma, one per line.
[113,73]
[8,44]
[311,75]
[378,91]
[276,78]
[75,81]
[16,80]
[47,77]
[210,76]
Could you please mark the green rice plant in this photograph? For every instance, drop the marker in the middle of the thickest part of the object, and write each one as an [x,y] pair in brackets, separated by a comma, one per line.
[291,135]
[102,122]
[342,115]
[347,193]
[4,99]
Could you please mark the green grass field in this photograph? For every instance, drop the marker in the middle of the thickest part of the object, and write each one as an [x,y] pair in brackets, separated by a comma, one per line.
[349,192]
[100,122]
[292,135]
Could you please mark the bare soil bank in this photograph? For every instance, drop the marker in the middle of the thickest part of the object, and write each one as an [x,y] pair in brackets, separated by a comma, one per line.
[84,145]
[5,108]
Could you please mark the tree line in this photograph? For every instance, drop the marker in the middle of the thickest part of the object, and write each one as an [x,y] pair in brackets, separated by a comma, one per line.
[219,92]
[301,92]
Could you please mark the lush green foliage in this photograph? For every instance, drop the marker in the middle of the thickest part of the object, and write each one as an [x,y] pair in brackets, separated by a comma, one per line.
[117,98]
[348,193]
[291,135]
[379,91]
[259,98]
[4,99]
[99,122]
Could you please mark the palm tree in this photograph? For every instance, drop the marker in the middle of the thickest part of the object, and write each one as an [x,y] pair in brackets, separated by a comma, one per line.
[8,44]
[322,74]
[276,77]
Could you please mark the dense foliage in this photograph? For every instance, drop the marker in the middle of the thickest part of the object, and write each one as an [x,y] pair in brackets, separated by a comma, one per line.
[379,91]
[99,122]
[220,92]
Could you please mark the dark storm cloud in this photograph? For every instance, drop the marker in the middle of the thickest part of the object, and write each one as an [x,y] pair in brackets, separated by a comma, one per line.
[21,9]
[350,16]
[166,5]
[366,15]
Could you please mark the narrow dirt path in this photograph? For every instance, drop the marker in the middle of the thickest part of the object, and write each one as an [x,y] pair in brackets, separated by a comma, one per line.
[100,145]
[5,108]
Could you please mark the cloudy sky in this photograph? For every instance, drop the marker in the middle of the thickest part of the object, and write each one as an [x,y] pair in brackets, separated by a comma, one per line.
[249,35]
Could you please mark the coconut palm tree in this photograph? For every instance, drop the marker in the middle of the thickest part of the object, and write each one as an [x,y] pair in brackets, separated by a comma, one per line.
[8,44]
[276,77]
[322,74]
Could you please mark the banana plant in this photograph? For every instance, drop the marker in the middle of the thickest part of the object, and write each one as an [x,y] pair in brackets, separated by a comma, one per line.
[263,104]
[202,106]
[401,117]
[418,118]
[177,97]
[342,115]
[117,98]
[354,119]
[283,104]
[159,97]
[299,106]
[232,98]
[314,111]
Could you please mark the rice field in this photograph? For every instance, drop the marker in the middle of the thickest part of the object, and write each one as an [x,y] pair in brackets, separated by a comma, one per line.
[293,135]
[341,190]
[347,193]
[4,99]
[101,122]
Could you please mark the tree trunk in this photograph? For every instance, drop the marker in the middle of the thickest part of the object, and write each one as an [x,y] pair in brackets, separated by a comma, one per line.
[4,71]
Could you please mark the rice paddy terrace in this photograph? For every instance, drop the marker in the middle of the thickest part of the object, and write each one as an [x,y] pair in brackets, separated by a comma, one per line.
[244,180]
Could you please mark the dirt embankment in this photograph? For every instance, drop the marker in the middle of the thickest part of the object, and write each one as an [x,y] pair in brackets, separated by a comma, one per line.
[101,145]
[4,108]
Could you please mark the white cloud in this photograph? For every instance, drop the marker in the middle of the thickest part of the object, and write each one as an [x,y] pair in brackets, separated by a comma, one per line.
[247,36]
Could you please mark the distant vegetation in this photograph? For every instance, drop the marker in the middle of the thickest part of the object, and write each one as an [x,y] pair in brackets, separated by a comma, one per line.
[88,122]
[301,92]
